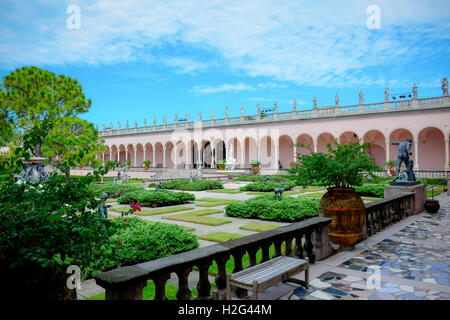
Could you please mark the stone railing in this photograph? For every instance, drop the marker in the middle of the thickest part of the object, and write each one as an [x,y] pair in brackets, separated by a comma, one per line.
[320,112]
[384,212]
[311,240]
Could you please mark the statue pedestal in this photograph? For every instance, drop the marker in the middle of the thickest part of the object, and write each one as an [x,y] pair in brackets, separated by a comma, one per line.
[419,191]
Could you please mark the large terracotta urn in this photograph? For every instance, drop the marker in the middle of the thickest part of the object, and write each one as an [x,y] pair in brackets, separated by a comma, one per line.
[348,213]
[255,169]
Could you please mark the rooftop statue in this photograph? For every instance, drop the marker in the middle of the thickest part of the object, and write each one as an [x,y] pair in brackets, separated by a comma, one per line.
[336,99]
[361,97]
[414,91]
[386,94]
[315,102]
[444,86]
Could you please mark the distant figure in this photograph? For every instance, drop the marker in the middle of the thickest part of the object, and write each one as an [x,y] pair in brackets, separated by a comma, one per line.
[267,180]
[158,186]
[404,151]
[444,86]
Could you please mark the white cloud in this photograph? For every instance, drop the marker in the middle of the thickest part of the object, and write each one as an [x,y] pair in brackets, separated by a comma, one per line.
[236,87]
[298,41]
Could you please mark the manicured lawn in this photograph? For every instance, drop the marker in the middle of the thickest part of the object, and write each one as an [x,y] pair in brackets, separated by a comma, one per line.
[439,189]
[259,227]
[310,188]
[111,200]
[261,193]
[198,217]
[231,191]
[216,202]
[220,236]
[313,195]
[146,212]
[111,217]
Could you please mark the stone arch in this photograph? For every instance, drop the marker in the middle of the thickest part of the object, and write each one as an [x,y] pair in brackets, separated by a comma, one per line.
[377,146]
[400,135]
[267,152]
[250,150]
[431,149]
[158,150]
[308,143]
[139,155]
[322,140]
[169,149]
[348,137]
[286,151]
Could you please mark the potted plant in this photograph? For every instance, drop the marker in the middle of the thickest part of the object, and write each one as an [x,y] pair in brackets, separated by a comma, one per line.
[147,164]
[431,205]
[255,166]
[390,164]
[341,169]
[221,164]
[129,164]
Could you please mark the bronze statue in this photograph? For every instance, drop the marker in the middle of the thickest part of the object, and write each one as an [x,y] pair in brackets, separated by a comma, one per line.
[103,206]
[404,151]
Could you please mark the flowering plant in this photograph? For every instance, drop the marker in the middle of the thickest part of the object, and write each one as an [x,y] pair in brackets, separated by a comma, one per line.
[135,206]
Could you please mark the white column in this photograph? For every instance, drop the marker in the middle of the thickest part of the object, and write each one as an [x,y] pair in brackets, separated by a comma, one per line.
[135,161]
[144,149]
[164,156]
[416,154]
[447,155]
[315,147]
[276,157]
[387,151]
[199,152]
[103,157]
[295,153]
[242,154]
[118,155]
[154,156]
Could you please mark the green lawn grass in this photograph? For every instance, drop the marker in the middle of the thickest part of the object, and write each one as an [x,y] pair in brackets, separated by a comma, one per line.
[436,191]
[146,212]
[198,217]
[216,202]
[261,193]
[259,227]
[310,188]
[111,200]
[313,194]
[111,217]
[231,191]
[220,236]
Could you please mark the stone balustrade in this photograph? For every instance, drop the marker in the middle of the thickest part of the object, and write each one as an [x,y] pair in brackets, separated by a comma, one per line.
[311,240]
[384,212]
[320,112]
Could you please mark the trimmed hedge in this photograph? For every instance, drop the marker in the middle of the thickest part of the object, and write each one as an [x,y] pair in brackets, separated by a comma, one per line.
[113,191]
[196,185]
[139,242]
[267,208]
[152,198]
[262,178]
[371,190]
[269,187]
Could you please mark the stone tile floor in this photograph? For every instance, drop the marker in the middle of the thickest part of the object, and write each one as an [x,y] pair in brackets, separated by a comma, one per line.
[412,258]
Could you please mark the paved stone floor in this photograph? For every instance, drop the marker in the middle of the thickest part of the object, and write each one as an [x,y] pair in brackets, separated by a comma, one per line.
[412,258]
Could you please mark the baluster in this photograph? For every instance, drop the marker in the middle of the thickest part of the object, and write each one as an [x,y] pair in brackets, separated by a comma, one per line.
[309,247]
[288,249]
[183,292]
[252,256]
[160,286]
[203,285]
[265,251]
[237,255]
[221,277]
[277,245]
[298,250]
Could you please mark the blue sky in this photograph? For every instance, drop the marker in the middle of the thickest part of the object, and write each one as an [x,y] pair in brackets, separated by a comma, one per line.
[141,59]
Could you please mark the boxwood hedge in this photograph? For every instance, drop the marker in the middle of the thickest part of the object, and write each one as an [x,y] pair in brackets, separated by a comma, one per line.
[267,208]
[113,191]
[196,185]
[152,198]
[269,187]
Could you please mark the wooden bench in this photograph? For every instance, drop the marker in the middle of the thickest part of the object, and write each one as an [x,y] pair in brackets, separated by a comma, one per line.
[267,274]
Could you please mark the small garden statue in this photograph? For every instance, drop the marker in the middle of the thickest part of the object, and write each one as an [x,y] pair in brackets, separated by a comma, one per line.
[158,186]
[103,207]
[279,191]
[444,86]
[267,180]
[41,171]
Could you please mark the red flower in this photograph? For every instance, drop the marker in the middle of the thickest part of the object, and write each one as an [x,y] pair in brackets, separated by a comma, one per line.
[54,222]
[12,206]
[127,224]
[98,226]
[120,243]
[125,219]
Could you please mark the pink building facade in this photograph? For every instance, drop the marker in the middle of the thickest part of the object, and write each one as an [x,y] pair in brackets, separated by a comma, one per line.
[271,137]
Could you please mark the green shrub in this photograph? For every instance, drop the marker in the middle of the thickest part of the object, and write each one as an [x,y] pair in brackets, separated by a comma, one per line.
[196,185]
[261,178]
[113,191]
[267,208]
[269,187]
[139,242]
[152,198]
[371,190]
